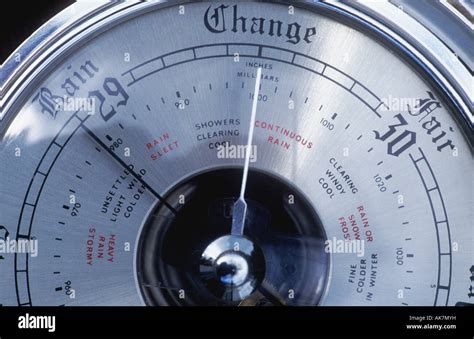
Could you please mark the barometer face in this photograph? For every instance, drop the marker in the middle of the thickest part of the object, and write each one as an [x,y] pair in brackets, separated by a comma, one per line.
[120,166]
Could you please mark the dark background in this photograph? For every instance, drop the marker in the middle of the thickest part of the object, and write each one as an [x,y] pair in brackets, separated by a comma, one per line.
[20,18]
[238,322]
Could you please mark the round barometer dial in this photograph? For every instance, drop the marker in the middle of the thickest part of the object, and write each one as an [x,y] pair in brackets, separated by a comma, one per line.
[123,149]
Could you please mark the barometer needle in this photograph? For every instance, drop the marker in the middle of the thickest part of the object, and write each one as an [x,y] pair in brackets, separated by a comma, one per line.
[124,165]
[240,206]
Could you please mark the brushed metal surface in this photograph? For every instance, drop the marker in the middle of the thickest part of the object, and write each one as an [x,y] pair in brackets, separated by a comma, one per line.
[341,76]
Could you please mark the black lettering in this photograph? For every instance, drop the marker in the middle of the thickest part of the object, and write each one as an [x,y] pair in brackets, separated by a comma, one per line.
[257,25]
[214,21]
[293,38]
[278,23]
[241,19]
[409,135]
[411,140]
[218,19]
[309,33]
[113,88]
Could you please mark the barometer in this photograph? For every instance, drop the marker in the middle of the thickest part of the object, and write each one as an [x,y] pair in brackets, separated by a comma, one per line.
[239,153]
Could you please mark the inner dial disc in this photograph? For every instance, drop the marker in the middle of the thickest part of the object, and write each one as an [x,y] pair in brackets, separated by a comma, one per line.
[351,147]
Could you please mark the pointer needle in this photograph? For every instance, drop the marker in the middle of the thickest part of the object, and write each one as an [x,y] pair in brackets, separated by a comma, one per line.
[240,206]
